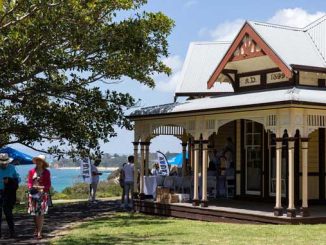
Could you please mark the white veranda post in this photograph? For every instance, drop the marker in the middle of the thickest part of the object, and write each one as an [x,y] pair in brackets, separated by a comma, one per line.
[278,209]
[142,160]
[136,161]
[291,212]
[196,169]
[184,158]
[204,202]
[304,159]
[147,158]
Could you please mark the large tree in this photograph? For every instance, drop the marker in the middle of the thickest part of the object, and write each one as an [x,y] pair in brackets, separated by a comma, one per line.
[53,56]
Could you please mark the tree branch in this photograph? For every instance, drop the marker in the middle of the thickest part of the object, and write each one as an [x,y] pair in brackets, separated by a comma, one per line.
[19,19]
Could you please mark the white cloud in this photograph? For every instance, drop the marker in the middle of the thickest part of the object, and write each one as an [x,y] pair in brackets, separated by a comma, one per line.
[174,62]
[227,30]
[190,3]
[169,84]
[295,17]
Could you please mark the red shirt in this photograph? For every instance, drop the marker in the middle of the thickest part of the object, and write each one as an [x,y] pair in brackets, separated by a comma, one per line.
[45,179]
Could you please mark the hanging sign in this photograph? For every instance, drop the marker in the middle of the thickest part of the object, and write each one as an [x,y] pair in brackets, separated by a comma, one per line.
[163,163]
[86,172]
[249,81]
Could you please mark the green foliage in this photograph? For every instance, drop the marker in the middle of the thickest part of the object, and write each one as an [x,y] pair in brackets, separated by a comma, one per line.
[108,190]
[20,208]
[60,196]
[54,55]
[81,191]
[21,193]
[114,175]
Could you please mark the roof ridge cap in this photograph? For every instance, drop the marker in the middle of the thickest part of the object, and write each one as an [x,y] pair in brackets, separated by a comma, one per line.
[315,23]
[290,28]
[210,42]
[311,26]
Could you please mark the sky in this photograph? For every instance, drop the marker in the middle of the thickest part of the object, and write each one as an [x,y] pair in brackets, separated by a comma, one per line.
[203,20]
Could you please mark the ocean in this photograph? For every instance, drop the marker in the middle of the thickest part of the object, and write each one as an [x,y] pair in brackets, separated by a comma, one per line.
[60,178]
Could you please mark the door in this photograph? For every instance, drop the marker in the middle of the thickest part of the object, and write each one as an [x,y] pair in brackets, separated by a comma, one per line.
[254,157]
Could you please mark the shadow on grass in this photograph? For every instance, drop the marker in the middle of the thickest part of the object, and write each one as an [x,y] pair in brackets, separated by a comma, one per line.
[124,220]
[115,239]
[57,219]
[115,229]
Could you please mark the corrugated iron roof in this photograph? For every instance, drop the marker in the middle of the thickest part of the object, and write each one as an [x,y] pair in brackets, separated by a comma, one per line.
[295,46]
[236,100]
[201,60]
[317,33]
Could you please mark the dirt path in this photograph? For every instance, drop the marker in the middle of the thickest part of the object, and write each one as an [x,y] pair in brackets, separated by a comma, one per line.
[58,220]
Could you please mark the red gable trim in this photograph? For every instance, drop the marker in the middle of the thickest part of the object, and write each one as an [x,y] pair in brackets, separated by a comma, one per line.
[248,30]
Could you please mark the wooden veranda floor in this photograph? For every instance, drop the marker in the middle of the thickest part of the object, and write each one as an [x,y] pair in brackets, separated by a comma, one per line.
[235,211]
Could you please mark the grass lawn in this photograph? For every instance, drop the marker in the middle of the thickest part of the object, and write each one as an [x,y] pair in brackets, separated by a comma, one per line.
[125,228]
[20,208]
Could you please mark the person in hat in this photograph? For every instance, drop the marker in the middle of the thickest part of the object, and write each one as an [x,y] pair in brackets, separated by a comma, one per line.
[9,180]
[39,183]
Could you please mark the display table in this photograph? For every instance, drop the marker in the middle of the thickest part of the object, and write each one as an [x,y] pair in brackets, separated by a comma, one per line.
[178,184]
[150,184]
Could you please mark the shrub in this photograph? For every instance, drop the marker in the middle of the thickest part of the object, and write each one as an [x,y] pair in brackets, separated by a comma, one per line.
[114,176]
[21,193]
[81,191]
[106,189]
[59,196]
[77,191]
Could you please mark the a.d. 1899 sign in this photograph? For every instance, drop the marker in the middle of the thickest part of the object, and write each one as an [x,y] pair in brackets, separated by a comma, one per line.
[275,77]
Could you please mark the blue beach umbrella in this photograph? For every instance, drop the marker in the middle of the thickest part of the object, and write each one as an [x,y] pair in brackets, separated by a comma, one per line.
[177,160]
[20,158]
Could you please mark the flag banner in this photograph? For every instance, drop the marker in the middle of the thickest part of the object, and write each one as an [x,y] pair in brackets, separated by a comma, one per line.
[85,168]
[163,163]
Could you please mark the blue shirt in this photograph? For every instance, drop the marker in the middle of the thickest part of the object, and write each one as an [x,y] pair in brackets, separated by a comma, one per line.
[11,172]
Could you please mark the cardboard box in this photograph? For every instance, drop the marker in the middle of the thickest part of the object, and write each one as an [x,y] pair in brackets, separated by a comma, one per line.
[162,194]
[163,197]
[173,198]
[183,197]
[166,196]
[161,190]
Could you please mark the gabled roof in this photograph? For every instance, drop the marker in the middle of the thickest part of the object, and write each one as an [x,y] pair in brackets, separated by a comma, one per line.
[200,61]
[289,45]
[293,45]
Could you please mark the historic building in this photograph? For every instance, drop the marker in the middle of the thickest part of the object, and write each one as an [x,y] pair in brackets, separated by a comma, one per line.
[266,90]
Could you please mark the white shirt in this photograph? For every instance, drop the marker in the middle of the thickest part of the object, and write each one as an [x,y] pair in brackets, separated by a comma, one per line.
[129,172]
[155,172]
[95,178]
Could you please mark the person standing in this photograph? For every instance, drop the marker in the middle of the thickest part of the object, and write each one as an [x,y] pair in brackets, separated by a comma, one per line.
[128,170]
[39,184]
[9,180]
[122,183]
[156,169]
[228,153]
[95,180]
